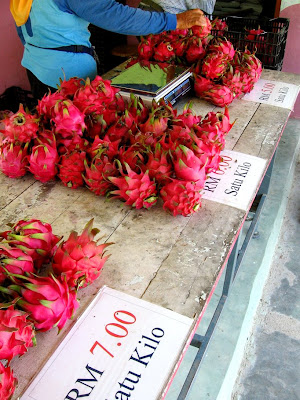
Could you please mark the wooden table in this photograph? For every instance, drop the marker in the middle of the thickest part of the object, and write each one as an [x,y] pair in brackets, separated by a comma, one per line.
[170,261]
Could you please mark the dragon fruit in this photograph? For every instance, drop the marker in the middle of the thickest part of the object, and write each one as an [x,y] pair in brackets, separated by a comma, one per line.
[49,301]
[136,189]
[20,127]
[214,65]
[195,50]
[96,175]
[80,258]
[71,167]
[202,31]
[34,237]
[222,45]
[13,160]
[101,146]
[46,104]
[155,124]
[159,166]
[182,197]
[219,25]
[43,162]
[16,334]
[188,117]
[145,49]
[106,91]
[67,88]
[232,79]
[179,46]
[202,85]
[188,166]
[164,52]
[15,261]
[68,119]
[137,109]
[7,382]
[220,95]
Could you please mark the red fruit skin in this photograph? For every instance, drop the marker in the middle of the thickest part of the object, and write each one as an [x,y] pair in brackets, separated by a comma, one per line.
[164,52]
[14,261]
[71,167]
[7,382]
[43,162]
[13,160]
[16,333]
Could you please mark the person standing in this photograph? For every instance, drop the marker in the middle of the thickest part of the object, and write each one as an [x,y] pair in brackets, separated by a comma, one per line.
[57,40]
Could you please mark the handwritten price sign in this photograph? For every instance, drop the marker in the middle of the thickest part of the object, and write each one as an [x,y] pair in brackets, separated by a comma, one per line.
[274,93]
[117,349]
[236,181]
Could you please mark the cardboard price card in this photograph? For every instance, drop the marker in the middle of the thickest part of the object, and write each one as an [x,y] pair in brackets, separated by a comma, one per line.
[236,182]
[120,348]
[274,93]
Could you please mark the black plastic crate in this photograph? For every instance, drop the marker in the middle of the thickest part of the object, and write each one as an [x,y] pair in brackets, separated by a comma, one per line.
[269,46]
[14,96]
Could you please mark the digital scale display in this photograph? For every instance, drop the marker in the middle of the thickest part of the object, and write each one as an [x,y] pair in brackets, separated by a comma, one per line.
[154,82]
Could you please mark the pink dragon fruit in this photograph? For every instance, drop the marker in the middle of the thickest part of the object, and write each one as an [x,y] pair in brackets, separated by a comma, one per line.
[214,65]
[80,258]
[49,301]
[69,87]
[222,45]
[202,85]
[218,122]
[159,166]
[232,79]
[181,197]
[101,146]
[145,49]
[136,189]
[68,119]
[219,25]
[96,175]
[188,117]
[155,124]
[188,166]
[137,109]
[20,127]
[15,261]
[46,105]
[7,382]
[96,124]
[16,333]
[43,162]
[179,46]
[132,156]
[71,168]
[13,160]
[164,52]
[202,31]
[34,237]
[220,95]
[106,91]
[195,50]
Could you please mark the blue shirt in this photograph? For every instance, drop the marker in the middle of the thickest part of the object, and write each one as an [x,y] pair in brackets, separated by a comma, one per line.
[56,23]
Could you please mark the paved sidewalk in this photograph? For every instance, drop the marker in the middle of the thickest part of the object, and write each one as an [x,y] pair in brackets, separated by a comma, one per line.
[271,365]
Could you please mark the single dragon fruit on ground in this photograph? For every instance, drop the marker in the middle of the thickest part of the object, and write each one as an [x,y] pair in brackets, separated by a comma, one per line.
[71,168]
[136,189]
[182,197]
[20,127]
[15,261]
[13,159]
[7,382]
[43,162]
[80,258]
[49,301]
[16,333]
[34,238]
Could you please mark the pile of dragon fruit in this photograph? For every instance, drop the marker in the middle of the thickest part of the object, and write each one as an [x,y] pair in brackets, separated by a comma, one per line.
[220,72]
[40,275]
[87,134]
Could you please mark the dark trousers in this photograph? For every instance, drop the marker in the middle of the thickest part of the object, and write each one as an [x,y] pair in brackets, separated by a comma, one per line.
[38,89]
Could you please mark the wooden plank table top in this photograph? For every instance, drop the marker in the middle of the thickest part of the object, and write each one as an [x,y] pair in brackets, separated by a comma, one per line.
[170,261]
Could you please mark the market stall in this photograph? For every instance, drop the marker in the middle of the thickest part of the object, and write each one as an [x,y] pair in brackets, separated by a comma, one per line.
[171,262]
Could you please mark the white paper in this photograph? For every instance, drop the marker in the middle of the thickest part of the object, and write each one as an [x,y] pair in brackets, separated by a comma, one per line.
[236,182]
[274,93]
[92,364]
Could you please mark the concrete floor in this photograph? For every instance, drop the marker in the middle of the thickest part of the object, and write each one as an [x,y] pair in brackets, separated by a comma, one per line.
[254,353]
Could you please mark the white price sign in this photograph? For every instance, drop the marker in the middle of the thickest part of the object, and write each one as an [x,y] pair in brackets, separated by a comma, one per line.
[236,182]
[274,93]
[120,348]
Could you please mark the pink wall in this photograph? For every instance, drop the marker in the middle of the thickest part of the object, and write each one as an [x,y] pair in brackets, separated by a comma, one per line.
[291,62]
[11,71]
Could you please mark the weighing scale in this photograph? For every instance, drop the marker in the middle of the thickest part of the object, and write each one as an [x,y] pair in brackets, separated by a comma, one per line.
[154,82]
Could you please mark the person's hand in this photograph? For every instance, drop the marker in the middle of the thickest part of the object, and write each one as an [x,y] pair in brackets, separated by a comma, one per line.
[190,18]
